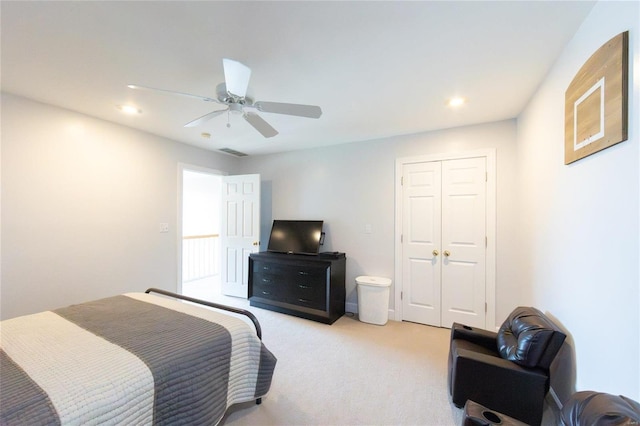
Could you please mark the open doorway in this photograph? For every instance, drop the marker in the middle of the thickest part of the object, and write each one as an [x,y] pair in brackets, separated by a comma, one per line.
[200,239]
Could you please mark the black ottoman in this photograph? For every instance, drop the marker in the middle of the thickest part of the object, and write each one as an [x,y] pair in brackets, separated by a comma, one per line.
[477,415]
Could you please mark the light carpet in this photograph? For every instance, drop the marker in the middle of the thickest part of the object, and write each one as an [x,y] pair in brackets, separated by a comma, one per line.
[351,373]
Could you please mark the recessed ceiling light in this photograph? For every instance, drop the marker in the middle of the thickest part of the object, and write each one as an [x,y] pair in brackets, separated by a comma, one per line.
[456,102]
[128,109]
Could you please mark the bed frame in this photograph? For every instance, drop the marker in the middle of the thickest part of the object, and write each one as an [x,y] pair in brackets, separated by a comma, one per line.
[213,305]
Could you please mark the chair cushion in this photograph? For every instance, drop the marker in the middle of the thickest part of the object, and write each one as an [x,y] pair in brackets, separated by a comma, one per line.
[596,408]
[529,338]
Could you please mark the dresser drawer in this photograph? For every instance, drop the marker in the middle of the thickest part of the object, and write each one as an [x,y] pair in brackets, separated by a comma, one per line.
[268,286]
[309,288]
[273,270]
[317,274]
[308,295]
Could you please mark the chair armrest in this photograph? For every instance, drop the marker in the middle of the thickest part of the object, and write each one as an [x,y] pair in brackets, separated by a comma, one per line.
[499,366]
[495,382]
[484,338]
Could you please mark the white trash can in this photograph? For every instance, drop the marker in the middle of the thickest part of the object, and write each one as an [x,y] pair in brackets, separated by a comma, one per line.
[373,299]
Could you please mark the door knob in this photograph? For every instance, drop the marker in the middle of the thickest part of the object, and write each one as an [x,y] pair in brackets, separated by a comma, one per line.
[447,253]
[436,252]
[255,243]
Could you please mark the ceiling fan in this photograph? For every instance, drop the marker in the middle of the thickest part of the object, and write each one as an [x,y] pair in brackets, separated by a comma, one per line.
[233,94]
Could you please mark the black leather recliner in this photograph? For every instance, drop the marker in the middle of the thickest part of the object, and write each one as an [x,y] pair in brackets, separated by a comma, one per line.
[506,371]
[588,408]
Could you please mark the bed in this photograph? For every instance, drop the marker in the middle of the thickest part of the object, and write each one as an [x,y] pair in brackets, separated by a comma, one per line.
[135,358]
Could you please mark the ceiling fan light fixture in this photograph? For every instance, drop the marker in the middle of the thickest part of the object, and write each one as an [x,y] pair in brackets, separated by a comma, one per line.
[235,108]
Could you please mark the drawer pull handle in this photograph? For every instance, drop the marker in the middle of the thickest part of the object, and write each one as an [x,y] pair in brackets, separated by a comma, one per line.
[266,293]
[266,268]
[266,280]
[304,286]
[303,273]
[304,300]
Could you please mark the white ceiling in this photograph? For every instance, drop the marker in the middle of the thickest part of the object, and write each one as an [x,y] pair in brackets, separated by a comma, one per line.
[377,69]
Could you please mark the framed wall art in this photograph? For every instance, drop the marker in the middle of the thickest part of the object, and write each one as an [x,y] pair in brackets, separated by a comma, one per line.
[596,101]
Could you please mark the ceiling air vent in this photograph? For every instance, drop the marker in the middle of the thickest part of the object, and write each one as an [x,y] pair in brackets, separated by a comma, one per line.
[232,152]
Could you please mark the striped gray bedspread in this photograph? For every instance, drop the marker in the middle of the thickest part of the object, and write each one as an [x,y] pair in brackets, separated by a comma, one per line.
[130,359]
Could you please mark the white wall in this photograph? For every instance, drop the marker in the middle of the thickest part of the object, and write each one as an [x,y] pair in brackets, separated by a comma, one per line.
[82,203]
[352,185]
[579,223]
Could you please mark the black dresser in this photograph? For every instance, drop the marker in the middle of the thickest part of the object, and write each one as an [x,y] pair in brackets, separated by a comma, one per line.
[307,286]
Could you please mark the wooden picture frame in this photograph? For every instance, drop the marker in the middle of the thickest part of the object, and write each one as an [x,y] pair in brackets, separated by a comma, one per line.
[596,101]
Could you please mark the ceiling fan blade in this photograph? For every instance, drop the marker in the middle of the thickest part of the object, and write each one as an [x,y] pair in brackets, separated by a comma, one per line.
[260,125]
[171,92]
[206,117]
[309,111]
[236,76]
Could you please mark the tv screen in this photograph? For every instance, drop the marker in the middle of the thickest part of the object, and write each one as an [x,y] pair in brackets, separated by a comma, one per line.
[295,236]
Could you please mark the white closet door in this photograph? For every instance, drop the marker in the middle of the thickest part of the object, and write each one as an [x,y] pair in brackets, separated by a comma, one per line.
[443,242]
[463,241]
[421,234]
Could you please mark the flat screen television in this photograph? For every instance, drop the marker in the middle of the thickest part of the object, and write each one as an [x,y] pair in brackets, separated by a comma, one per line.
[295,236]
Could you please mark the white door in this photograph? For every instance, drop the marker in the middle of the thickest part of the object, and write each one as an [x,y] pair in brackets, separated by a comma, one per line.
[239,231]
[463,241]
[421,239]
[443,242]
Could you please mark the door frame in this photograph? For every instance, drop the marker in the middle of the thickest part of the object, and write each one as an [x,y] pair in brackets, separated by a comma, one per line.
[490,285]
[182,167]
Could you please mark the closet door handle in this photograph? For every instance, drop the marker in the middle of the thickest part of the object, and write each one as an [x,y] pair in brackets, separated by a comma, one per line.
[447,253]
[436,252]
